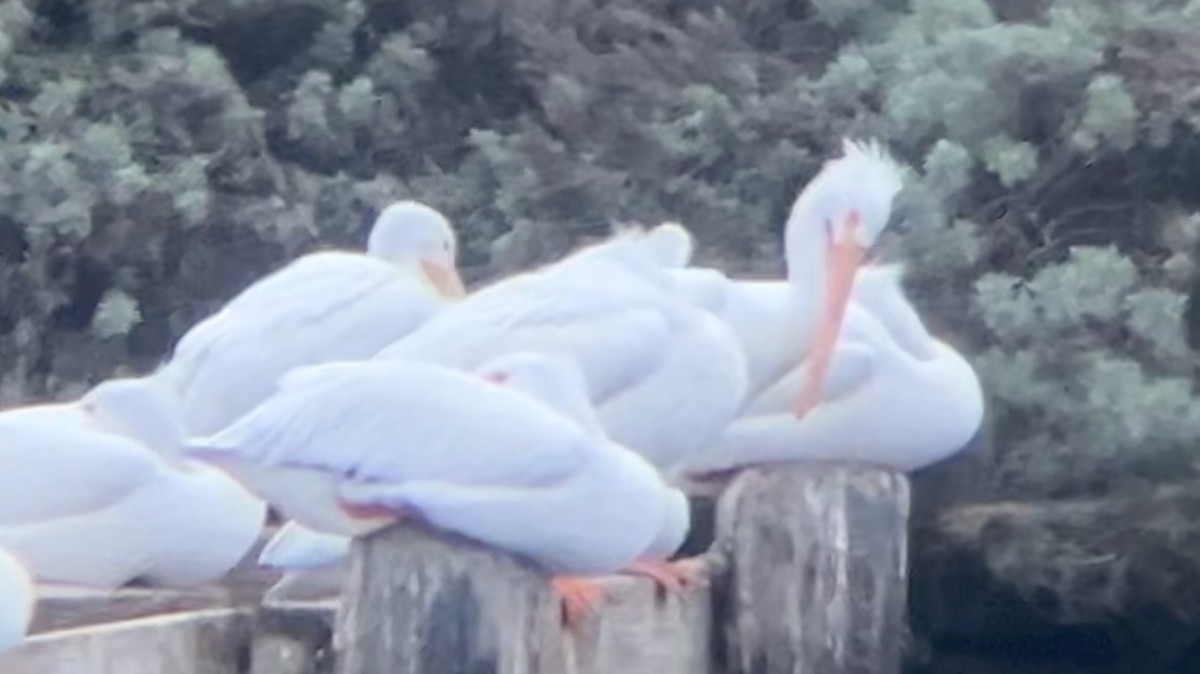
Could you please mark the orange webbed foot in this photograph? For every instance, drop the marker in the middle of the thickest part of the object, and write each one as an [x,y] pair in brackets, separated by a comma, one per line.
[670,576]
[579,597]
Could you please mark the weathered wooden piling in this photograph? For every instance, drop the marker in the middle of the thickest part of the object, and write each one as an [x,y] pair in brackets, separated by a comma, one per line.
[203,642]
[415,605]
[422,604]
[294,638]
[65,608]
[816,577]
[809,565]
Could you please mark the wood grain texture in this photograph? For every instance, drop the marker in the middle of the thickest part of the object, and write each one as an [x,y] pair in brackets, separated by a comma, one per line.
[640,630]
[206,642]
[294,638]
[417,603]
[817,574]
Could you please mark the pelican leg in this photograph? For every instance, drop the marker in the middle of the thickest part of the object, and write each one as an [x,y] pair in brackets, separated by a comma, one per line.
[579,597]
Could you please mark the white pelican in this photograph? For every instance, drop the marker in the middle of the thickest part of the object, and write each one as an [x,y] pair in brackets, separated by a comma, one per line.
[18,601]
[559,385]
[348,448]
[895,396]
[665,376]
[322,307]
[314,560]
[83,501]
[112,407]
[836,218]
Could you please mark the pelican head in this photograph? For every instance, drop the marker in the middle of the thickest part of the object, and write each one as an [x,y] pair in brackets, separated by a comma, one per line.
[836,220]
[671,245]
[138,408]
[555,381]
[413,235]
[17,601]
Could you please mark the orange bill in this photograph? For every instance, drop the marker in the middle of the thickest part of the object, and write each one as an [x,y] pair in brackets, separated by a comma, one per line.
[843,263]
[445,279]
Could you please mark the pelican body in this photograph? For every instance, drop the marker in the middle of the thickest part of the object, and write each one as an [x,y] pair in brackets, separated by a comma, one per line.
[347,448]
[840,367]
[664,376]
[85,501]
[314,560]
[323,307]
[895,396]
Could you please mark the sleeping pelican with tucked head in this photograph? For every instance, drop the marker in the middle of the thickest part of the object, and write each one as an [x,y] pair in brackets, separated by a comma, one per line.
[350,448]
[330,305]
[96,493]
[411,235]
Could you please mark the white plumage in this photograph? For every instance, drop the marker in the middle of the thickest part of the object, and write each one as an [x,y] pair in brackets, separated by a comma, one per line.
[895,396]
[664,376]
[314,559]
[468,455]
[83,502]
[18,600]
[323,307]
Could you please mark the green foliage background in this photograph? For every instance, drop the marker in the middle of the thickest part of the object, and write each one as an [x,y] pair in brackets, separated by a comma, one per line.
[155,156]
[158,155]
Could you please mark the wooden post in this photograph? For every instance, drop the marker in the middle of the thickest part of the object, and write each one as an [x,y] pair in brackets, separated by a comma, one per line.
[816,579]
[196,642]
[294,638]
[417,605]
[637,631]
[420,603]
[63,608]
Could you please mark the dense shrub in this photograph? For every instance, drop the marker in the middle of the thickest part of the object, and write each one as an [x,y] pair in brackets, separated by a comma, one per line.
[155,156]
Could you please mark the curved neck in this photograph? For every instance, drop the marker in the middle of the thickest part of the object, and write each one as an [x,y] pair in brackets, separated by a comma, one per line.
[807,259]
